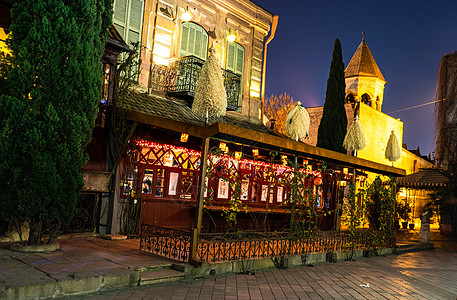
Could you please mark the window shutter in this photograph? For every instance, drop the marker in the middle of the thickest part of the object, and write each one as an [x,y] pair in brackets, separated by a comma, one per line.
[239,60]
[204,44]
[230,63]
[191,47]
[120,11]
[135,19]
[184,39]
[198,42]
[136,14]
[120,16]
[194,40]
[128,19]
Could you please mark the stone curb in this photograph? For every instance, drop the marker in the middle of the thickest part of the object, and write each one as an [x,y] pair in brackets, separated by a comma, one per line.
[90,284]
[36,248]
[247,266]
[71,286]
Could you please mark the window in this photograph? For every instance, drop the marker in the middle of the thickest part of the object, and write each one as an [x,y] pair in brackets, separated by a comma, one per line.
[235,58]
[350,98]
[128,19]
[366,99]
[194,40]
[234,66]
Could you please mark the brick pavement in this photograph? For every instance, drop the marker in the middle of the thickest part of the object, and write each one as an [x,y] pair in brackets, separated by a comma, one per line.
[430,274]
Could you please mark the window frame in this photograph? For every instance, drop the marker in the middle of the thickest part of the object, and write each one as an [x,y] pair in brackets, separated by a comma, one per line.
[204,48]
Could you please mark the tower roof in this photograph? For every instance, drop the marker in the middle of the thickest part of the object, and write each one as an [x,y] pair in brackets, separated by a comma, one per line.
[363,63]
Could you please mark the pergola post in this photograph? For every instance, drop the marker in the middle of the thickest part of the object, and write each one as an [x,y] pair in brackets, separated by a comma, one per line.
[200,198]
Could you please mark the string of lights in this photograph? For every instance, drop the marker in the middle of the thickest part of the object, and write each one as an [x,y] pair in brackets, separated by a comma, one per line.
[145,143]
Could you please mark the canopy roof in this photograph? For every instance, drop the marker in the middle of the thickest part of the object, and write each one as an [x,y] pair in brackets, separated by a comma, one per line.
[425,178]
[172,114]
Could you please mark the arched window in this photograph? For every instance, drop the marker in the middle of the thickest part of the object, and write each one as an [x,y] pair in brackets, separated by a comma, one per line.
[194,40]
[235,58]
[366,99]
[350,98]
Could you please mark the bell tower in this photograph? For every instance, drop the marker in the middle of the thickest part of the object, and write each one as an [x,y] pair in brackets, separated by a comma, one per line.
[364,80]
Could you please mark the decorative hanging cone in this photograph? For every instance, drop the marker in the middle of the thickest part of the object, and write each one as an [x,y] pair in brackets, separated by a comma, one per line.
[355,138]
[393,151]
[297,122]
[210,96]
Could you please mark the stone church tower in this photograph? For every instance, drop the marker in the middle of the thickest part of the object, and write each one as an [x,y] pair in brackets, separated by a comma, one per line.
[364,80]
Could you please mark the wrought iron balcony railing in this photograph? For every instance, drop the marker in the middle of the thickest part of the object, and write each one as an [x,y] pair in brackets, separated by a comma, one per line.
[182,76]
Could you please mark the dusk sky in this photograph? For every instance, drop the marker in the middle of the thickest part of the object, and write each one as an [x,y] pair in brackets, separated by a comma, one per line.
[406,38]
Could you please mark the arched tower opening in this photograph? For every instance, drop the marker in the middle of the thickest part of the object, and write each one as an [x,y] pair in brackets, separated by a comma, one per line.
[350,98]
[366,99]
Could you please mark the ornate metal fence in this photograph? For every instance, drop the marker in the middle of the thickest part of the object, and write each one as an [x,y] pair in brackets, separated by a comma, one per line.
[166,242]
[181,77]
[84,220]
[212,247]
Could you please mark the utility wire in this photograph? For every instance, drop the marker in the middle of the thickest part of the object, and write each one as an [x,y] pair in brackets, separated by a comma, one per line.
[416,106]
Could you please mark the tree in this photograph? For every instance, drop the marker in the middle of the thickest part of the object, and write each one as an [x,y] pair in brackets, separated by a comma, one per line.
[333,126]
[277,108]
[48,107]
[446,138]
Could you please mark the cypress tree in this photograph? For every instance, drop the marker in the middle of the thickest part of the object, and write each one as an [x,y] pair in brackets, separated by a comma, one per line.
[333,126]
[48,108]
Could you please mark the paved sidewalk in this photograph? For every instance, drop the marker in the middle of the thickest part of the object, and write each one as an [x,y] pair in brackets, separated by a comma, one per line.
[90,265]
[430,274]
[81,265]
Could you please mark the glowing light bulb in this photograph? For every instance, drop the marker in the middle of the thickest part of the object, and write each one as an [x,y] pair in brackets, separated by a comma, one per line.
[231,38]
[186,16]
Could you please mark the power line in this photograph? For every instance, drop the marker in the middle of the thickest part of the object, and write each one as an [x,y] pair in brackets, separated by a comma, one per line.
[416,106]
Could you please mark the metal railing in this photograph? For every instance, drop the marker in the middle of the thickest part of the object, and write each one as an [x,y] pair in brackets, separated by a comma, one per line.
[181,76]
[167,242]
[214,247]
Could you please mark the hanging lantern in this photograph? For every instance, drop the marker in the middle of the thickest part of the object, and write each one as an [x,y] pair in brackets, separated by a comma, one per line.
[297,122]
[355,138]
[317,181]
[393,151]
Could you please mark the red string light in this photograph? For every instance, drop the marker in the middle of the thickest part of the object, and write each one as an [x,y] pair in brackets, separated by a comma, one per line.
[145,143]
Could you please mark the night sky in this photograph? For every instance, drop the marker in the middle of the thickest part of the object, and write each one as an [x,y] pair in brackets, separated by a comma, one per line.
[407,39]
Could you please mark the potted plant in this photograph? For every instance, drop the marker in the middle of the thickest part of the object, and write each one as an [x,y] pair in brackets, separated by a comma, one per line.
[404,211]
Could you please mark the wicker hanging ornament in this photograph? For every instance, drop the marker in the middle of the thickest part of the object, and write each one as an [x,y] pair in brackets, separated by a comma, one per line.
[297,122]
[355,138]
[393,151]
[210,96]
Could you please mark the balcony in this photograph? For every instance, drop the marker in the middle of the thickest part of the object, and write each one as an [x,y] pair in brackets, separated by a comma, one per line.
[180,80]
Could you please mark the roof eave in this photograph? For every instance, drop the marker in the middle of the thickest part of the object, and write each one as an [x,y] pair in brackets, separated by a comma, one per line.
[220,129]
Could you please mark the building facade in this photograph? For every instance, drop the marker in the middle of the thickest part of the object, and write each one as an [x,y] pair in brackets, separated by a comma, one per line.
[175,37]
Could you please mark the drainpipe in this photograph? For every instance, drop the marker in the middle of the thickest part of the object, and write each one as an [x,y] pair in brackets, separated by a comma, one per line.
[274,24]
